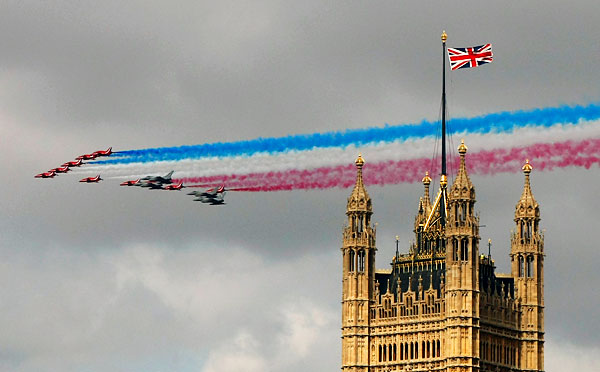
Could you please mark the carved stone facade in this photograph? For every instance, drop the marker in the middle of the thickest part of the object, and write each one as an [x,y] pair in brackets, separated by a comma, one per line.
[442,306]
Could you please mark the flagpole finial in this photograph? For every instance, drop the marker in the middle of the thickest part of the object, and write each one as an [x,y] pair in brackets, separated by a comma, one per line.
[444,36]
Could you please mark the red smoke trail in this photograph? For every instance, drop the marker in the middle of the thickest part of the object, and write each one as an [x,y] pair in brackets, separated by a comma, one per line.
[543,156]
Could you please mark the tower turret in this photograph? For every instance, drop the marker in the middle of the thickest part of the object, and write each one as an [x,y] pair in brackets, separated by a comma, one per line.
[462,273]
[358,255]
[527,266]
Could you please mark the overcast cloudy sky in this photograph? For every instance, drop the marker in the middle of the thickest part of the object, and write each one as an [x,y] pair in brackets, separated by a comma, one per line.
[98,278]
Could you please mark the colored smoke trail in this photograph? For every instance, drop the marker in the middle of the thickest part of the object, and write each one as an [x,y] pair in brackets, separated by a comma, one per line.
[501,122]
[543,156]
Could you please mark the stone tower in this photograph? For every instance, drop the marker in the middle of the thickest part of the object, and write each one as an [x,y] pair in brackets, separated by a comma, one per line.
[358,255]
[442,306]
[527,266]
[462,274]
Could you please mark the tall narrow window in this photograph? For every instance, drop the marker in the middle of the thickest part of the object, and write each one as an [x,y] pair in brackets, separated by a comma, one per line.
[380,353]
[351,260]
[361,260]
[360,224]
[456,218]
[454,249]
[464,249]
[521,267]
[530,266]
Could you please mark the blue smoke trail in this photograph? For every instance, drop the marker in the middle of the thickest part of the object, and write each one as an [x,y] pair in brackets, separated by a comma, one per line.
[500,122]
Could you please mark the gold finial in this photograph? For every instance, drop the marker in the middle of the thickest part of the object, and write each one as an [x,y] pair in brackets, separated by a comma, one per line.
[527,167]
[359,161]
[462,149]
[444,36]
[443,180]
[426,180]
[397,238]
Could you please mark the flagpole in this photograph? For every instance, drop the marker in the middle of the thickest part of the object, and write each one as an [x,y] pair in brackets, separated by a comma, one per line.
[443,178]
[444,37]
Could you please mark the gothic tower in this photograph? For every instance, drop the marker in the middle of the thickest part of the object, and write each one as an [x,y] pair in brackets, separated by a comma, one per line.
[358,254]
[462,274]
[527,265]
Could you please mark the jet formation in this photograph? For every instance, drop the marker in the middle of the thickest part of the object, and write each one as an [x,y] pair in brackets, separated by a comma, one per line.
[66,167]
[212,196]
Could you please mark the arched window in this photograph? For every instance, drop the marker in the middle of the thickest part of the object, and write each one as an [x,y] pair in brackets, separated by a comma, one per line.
[522,229]
[521,267]
[412,350]
[464,249]
[360,223]
[380,355]
[454,249]
[361,260]
[351,260]
[401,351]
[384,353]
[456,214]
[530,266]
[438,347]
[529,231]
[416,350]
[463,212]
[394,352]
[428,349]
[406,355]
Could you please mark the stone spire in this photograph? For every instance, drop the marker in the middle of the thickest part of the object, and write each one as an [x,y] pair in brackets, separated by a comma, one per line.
[527,206]
[462,182]
[359,200]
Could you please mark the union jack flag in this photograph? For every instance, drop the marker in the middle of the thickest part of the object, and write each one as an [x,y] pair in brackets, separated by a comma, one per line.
[470,57]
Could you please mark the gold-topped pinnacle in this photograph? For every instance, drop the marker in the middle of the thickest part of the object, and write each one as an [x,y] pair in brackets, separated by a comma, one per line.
[443,180]
[359,161]
[527,167]
[462,149]
[426,180]
[444,36]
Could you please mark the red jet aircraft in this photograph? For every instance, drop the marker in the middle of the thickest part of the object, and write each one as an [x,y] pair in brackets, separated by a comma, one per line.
[130,183]
[179,186]
[74,163]
[103,152]
[63,169]
[48,174]
[87,156]
[91,179]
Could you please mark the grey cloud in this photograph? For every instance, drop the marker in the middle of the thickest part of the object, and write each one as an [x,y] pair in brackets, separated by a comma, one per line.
[75,77]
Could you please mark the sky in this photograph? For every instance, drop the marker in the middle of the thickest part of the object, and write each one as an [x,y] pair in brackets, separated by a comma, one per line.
[99,278]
